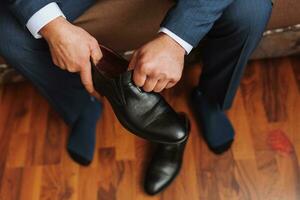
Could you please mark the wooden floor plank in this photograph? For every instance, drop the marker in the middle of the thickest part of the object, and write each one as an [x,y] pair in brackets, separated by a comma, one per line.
[88,183]
[35,147]
[105,127]
[107,174]
[11,184]
[9,108]
[56,130]
[31,182]
[243,146]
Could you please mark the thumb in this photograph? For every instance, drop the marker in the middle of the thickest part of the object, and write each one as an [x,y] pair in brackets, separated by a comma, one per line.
[133,61]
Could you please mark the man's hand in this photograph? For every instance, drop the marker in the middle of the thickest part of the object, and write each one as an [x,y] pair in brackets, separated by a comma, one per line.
[71,48]
[158,64]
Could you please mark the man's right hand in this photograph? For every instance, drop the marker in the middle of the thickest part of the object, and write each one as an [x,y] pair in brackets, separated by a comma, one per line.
[71,48]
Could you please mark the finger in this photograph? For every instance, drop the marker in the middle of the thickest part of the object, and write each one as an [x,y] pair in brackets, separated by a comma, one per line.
[133,61]
[139,78]
[96,54]
[86,77]
[161,84]
[150,84]
[170,84]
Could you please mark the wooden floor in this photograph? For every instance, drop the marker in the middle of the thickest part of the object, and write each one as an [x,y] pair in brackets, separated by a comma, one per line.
[262,163]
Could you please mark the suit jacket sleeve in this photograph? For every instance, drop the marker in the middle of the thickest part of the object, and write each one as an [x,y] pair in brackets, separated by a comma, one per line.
[192,19]
[24,9]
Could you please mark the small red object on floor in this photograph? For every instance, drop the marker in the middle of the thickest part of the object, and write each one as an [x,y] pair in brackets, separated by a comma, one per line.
[278,141]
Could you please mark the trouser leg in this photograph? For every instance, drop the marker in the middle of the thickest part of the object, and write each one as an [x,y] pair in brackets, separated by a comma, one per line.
[229,45]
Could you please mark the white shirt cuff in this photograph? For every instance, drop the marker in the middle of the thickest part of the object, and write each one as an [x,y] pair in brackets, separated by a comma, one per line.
[43,17]
[188,48]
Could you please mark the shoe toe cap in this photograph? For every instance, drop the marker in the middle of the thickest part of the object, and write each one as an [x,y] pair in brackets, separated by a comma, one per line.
[179,133]
[155,183]
[173,130]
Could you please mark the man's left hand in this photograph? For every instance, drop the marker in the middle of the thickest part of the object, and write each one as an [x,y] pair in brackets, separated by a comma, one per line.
[158,64]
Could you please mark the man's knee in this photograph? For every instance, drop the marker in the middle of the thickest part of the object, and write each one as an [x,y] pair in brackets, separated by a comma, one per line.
[248,17]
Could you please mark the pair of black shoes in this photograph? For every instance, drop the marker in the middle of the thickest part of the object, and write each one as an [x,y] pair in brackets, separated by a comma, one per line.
[149,116]
[146,115]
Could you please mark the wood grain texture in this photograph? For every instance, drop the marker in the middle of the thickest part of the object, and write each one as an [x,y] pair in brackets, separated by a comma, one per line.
[263,163]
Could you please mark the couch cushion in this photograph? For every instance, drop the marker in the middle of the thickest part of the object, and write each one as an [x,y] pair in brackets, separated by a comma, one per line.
[285,13]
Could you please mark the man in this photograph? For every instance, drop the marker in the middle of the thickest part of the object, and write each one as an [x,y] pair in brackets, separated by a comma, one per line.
[232,28]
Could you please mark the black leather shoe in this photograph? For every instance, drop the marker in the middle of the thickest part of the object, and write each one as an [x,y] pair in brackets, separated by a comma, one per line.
[165,164]
[147,115]
[216,127]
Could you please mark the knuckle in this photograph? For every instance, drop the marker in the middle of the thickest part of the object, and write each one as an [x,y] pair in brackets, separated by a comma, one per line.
[146,67]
